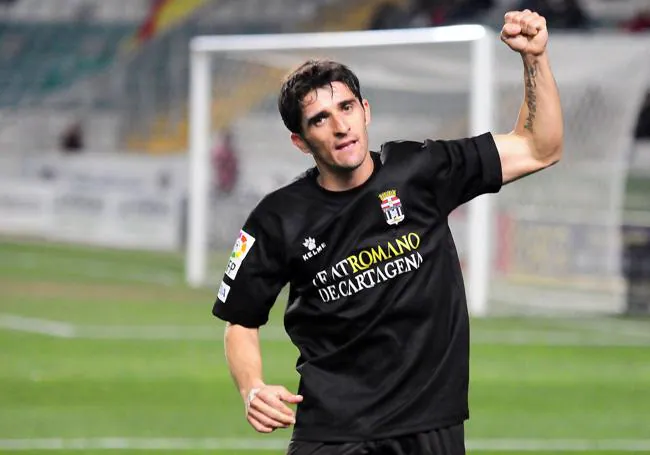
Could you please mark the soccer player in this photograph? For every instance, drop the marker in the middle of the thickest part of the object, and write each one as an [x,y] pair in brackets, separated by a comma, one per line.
[376,303]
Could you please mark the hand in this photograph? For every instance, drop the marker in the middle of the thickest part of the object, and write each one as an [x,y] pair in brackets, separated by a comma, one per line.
[525,32]
[265,408]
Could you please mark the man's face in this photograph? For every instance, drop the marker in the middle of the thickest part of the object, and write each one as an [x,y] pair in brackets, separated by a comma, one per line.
[334,125]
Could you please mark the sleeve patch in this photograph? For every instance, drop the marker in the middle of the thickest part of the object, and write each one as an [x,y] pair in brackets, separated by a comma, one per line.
[224,289]
[242,246]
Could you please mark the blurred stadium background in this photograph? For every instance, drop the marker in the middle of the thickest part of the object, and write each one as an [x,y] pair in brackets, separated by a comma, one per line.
[104,346]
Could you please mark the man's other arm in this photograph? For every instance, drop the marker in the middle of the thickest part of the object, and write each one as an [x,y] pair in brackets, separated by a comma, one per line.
[537,139]
[265,410]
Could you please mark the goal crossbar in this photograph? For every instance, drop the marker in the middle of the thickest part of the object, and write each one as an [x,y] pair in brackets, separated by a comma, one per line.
[328,40]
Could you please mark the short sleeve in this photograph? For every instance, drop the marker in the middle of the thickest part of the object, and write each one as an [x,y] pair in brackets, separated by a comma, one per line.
[464,169]
[255,273]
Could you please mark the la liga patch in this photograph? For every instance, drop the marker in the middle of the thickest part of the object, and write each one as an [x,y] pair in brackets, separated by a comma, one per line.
[242,246]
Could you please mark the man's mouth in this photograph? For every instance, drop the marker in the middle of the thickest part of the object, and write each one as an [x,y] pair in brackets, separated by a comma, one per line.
[346,145]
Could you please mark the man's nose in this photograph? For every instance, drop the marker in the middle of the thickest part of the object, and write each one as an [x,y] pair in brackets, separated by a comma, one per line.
[341,126]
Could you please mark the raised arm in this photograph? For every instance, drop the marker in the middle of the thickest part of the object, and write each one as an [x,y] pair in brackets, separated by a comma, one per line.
[265,409]
[537,139]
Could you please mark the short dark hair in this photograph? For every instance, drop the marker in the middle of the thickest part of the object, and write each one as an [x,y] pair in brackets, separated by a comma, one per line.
[311,75]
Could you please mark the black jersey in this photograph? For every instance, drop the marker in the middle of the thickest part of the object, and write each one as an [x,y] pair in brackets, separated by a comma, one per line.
[376,303]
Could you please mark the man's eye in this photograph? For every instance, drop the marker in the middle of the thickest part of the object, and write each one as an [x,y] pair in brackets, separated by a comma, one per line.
[319,121]
[347,107]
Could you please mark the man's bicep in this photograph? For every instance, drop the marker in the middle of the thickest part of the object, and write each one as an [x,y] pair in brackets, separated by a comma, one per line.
[249,298]
[255,274]
[517,157]
[463,169]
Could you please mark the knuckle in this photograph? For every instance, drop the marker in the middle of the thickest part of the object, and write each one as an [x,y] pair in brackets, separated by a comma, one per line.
[255,405]
[272,391]
[266,395]
[258,422]
[280,417]
[264,421]
[268,423]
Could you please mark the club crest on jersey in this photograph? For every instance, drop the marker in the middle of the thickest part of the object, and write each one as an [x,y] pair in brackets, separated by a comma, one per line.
[242,246]
[392,207]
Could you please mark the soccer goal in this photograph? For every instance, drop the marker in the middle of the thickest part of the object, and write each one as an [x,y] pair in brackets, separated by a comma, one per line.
[550,242]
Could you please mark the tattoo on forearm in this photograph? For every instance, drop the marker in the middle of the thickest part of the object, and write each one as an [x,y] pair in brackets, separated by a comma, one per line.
[530,75]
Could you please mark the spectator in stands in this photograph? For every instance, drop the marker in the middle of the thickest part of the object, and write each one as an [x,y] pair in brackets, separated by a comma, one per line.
[435,11]
[560,14]
[225,164]
[639,23]
[72,139]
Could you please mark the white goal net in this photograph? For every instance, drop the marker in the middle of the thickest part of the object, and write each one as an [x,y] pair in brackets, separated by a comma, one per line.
[547,243]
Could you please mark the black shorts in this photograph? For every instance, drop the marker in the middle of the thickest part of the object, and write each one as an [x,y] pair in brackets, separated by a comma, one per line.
[444,441]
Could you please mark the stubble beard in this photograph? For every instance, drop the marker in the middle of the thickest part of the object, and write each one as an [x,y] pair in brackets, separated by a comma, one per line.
[338,169]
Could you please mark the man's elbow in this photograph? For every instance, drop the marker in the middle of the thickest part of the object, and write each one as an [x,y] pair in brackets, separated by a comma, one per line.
[551,153]
[554,156]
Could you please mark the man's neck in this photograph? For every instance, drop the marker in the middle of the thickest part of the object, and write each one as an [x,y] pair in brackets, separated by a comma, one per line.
[343,181]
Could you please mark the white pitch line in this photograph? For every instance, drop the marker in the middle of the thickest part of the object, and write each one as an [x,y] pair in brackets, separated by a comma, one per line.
[40,326]
[61,329]
[609,326]
[553,338]
[158,332]
[263,444]
[114,443]
[93,268]
[559,445]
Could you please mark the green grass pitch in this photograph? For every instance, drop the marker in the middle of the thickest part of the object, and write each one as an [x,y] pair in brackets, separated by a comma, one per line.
[107,351]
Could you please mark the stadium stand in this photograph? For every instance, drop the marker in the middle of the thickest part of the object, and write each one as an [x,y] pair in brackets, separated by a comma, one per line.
[126,60]
[67,10]
[37,58]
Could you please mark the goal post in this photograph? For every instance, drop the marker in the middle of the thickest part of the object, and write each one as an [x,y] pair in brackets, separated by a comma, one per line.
[481,108]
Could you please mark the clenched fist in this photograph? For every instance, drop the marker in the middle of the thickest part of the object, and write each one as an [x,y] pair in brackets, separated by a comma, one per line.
[525,32]
[265,408]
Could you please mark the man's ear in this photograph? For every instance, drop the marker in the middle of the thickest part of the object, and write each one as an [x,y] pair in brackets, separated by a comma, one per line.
[300,143]
[366,108]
